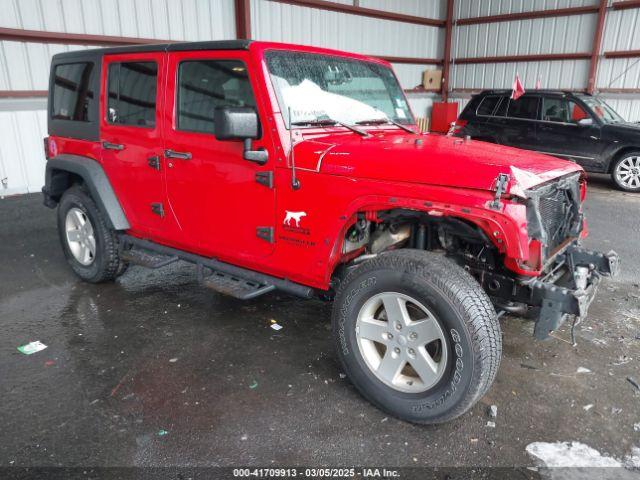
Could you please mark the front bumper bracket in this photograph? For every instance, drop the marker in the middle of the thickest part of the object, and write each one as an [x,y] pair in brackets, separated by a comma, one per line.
[566,289]
[560,296]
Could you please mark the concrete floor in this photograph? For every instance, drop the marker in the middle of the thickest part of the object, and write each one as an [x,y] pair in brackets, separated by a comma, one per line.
[155,352]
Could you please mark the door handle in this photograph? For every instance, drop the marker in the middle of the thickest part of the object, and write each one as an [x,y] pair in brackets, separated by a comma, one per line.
[178,155]
[112,146]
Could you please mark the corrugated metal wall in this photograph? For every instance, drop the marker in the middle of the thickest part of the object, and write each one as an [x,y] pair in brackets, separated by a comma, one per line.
[24,66]
[568,34]
[622,32]
[309,26]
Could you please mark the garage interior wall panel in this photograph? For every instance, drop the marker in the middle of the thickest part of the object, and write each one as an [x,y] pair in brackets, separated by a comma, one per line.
[162,19]
[281,22]
[25,66]
[565,74]
[479,8]
[621,32]
[21,153]
[417,8]
[568,34]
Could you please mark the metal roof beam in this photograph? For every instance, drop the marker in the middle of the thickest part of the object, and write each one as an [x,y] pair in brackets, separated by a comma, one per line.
[364,12]
[510,17]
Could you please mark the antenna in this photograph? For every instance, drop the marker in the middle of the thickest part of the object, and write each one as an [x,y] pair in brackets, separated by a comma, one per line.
[295,183]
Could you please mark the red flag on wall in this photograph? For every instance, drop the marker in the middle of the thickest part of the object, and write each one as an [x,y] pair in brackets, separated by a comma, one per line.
[518,89]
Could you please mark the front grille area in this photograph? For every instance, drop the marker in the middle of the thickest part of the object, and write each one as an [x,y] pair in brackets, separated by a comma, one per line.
[553,212]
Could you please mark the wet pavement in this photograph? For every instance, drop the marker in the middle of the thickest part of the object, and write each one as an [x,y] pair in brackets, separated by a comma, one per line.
[156,370]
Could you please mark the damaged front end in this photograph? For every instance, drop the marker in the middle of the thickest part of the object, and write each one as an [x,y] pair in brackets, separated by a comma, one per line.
[570,275]
[565,290]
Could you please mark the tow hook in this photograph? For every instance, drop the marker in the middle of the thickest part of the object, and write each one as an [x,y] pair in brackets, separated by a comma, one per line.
[501,186]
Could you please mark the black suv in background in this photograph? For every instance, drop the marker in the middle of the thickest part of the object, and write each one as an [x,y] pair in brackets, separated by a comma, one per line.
[573,126]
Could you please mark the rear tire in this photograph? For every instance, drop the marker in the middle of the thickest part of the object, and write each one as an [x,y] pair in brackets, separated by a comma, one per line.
[89,244]
[626,172]
[440,304]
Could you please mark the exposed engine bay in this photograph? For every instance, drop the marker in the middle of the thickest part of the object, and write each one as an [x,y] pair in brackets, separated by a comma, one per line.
[565,288]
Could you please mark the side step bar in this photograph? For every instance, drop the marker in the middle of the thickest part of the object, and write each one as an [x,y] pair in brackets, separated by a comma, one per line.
[146,258]
[225,278]
[236,287]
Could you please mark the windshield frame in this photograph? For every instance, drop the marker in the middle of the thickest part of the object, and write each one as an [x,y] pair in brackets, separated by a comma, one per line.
[282,107]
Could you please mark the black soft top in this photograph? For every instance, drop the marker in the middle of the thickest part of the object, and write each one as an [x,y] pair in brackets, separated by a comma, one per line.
[89,130]
[157,47]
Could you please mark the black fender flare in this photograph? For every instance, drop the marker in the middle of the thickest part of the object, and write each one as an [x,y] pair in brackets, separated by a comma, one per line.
[95,179]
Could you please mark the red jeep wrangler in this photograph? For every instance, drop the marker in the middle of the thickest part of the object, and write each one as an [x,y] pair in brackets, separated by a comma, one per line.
[281,167]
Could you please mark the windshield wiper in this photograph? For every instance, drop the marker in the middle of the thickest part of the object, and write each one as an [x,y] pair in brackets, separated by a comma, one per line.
[381,121]
[330,121]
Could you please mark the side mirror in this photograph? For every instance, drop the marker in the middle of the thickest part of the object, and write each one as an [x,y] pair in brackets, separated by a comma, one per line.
[585,122]
[240,123]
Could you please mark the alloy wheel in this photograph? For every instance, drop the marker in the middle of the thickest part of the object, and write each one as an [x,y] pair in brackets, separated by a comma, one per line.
[80,236]
[628,172]
[402,342]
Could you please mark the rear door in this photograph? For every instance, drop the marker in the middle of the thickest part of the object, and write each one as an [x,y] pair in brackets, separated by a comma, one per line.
[220,200]
[560,134]
[130,135]
[518,126]
[479,114]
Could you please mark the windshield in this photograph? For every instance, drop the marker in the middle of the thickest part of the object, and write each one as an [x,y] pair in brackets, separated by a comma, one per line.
[322,87]
[603,111]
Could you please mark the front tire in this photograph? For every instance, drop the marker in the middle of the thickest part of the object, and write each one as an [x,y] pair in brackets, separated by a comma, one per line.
[89,244]
[416,335]
[626,172]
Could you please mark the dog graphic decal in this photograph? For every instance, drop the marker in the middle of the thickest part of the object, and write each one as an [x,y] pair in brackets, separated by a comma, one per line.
[293,217]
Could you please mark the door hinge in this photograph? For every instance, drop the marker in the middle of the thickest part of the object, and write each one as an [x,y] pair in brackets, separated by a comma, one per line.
[265,178]
[154,162]
[265,233]
[158,209]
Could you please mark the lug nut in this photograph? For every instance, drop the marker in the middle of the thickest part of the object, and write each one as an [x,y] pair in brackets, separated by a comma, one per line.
[398,326]
[397,350]
[389,336]
[413,335]
[412,351]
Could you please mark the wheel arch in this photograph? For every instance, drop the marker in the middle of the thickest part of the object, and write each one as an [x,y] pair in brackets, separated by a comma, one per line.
[494,228]
[618,154]
[65,170]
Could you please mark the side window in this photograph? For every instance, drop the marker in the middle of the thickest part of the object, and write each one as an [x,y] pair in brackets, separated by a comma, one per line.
[577,112]
[524,107]
[132,93]
[555,109]
[501,111]
[72,91]
[207,84]
[488,105]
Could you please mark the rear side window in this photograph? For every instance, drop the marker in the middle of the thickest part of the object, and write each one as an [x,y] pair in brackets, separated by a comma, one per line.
[488,105]
[132,93]
[501,111]
[207,84]
[72,91]
[524,107]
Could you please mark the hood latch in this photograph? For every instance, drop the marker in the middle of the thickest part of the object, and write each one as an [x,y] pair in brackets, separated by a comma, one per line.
[501,187]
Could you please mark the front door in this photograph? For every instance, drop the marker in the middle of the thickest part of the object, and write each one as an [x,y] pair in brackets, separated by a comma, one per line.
[561,134]
[130,135]
[220,200]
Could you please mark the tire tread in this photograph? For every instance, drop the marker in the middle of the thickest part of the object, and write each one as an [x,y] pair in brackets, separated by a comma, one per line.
[469,300]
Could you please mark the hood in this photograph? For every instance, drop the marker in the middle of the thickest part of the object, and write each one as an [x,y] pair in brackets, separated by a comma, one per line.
[429,159]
